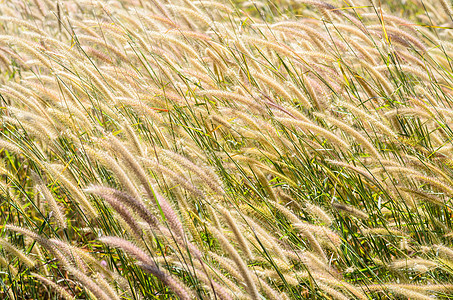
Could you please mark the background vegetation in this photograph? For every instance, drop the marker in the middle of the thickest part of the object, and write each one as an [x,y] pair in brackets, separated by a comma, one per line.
[248,150]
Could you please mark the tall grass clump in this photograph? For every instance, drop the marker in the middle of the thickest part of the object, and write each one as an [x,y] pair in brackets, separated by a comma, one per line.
[226,150]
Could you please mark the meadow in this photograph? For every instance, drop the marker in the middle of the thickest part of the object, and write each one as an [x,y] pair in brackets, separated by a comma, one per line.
[192,149]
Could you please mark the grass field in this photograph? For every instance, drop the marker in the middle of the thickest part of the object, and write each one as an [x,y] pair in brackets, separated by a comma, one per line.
[212,150]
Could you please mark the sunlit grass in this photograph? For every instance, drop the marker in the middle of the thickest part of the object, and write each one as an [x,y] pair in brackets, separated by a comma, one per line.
[246,150]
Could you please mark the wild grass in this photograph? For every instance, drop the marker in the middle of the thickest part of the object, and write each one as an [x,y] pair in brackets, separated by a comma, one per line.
[226,150]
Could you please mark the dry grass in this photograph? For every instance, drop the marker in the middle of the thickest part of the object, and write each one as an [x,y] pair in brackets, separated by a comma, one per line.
[201,149]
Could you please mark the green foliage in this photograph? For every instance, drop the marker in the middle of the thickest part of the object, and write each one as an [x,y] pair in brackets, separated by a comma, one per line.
[209,150]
